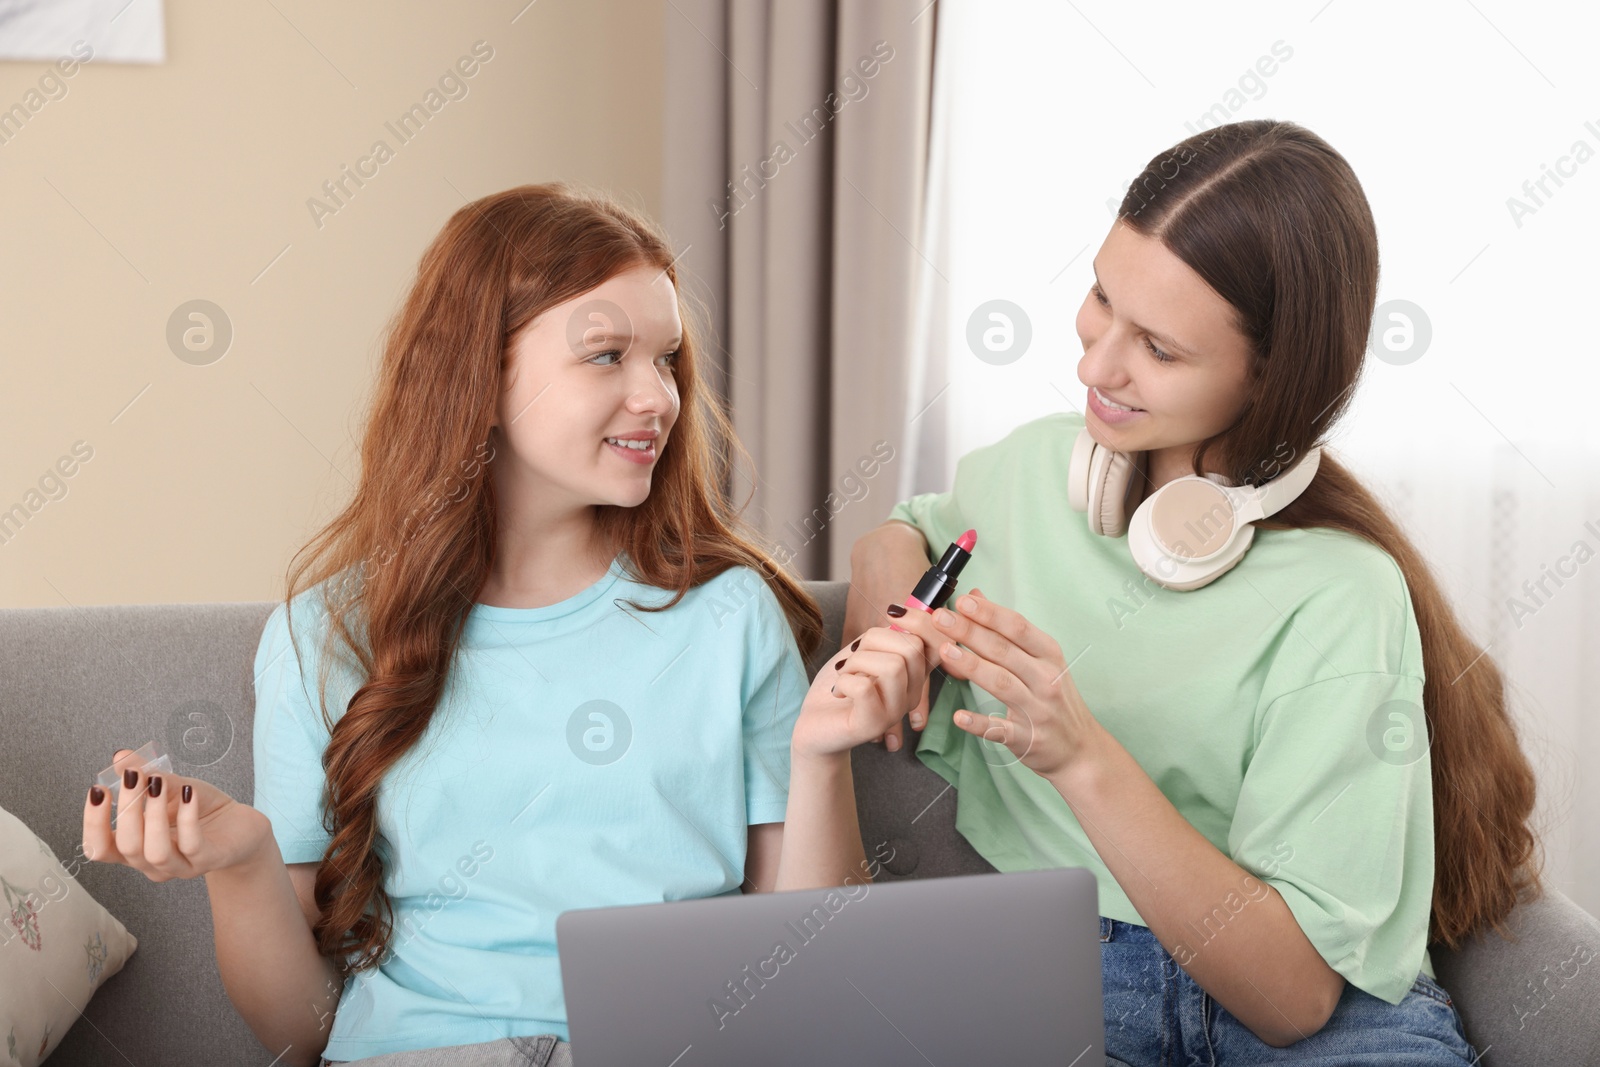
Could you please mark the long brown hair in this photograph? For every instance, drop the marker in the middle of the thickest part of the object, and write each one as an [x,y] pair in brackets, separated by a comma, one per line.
[405,560]
[1274,220]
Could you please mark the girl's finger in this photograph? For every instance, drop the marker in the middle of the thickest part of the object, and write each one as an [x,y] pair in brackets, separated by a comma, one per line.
[872,663]
[893,673]
[988,727]
[892,739]
[919,626]
[999,682]
[867,707]
[914,646]
[1016,734]
[917,659]
[898,665]
[894,691]
[157,832]
[851,686]
[129,834]
[971,636]
[97,842]
[875,707]
[1005,626]
[919,712]
[189,837]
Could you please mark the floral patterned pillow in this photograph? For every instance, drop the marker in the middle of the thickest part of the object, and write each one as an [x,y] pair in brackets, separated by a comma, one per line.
[57,944]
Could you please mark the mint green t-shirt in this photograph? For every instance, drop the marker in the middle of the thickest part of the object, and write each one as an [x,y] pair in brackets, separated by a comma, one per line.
[583,754]
[1278,708]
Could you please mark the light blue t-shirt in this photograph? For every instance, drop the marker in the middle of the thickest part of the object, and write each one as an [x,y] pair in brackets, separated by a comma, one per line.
[583,754]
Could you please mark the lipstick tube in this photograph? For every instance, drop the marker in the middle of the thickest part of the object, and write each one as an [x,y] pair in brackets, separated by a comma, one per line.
[936,586]
[939,581]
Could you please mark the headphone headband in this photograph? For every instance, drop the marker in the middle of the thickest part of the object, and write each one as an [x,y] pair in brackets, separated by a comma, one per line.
[1283,489]
[1193,529]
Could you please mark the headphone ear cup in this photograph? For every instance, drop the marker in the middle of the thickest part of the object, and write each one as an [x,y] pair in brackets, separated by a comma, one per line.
[1138,487]
[1078,472]
[1105,484]
[1110,476]
[1176,574]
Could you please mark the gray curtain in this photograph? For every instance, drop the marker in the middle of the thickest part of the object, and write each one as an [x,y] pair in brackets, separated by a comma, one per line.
[795,168]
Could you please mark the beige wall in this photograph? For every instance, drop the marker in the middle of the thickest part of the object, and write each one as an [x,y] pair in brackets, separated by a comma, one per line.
[145,187]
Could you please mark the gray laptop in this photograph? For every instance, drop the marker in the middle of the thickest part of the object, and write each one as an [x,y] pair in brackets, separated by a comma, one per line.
[972,969]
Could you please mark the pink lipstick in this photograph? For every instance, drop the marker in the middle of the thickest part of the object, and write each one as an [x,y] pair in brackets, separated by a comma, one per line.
[939,581]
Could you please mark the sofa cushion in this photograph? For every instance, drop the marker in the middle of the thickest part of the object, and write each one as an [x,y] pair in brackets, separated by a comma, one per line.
[1535,997]
[57,945]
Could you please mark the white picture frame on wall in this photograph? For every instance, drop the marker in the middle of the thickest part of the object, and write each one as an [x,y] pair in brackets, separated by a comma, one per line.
[106,31]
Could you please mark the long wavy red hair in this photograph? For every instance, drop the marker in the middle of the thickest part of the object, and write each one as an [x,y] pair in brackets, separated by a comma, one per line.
[403,563]
[1274,219]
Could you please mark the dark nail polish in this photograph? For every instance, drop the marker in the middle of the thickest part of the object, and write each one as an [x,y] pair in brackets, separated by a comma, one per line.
[896,610]
[155,785]
[96,795]
[836,666]
[130,777]
[855,645]
[188,793]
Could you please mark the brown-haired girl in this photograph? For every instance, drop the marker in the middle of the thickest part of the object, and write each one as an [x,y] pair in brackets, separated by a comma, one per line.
[1290,778]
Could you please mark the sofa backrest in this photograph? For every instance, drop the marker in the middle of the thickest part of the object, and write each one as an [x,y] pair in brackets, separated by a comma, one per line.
[78,683]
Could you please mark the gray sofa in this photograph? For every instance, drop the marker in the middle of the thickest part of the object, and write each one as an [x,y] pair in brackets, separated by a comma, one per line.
[78,683]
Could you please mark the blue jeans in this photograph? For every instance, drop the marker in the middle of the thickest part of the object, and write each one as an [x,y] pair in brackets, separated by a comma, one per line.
[1157,1016]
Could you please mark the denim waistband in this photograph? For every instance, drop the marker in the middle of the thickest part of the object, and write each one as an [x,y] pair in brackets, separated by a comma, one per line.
[1160,1014]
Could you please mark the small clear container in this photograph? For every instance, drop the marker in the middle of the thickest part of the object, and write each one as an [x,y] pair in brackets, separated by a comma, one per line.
[149,759]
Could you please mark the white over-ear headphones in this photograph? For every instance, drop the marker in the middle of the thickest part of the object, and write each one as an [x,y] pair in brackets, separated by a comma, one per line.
[1190,531]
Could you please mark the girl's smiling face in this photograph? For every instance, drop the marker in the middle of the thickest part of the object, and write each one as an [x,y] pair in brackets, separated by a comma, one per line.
[1157,338]
[598,366]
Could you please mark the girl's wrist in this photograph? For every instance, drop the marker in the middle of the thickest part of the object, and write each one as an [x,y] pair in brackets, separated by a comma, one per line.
[263,857]
[818,762]
[1084,773]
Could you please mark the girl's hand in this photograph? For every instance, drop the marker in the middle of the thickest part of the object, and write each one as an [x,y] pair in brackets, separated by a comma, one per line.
[1047,726]
[885,565]
[867,688]
[166,836]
